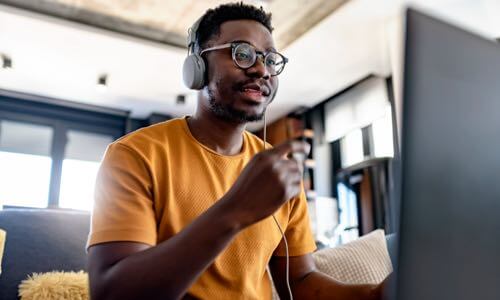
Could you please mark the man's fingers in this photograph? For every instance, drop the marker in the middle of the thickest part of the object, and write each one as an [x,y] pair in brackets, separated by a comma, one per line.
[288,165]
[290,147]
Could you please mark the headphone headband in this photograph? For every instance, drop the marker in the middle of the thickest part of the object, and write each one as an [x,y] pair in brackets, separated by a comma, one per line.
[191,38]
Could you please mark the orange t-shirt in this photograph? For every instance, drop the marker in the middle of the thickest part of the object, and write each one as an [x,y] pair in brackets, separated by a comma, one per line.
[152,183]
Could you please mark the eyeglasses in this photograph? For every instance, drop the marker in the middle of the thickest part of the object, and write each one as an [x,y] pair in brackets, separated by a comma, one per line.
[245,55]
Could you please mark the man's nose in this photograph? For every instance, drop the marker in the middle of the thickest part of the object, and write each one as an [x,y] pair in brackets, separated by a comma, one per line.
[259,69]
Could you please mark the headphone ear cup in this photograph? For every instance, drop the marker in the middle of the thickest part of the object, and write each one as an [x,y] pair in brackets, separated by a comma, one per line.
[193,72]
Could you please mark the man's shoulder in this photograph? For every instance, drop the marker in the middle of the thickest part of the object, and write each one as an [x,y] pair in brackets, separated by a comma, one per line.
[156,135]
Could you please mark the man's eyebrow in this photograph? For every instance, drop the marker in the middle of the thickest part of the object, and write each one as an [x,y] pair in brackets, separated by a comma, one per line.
[244,41]
[271,49]
[240,41]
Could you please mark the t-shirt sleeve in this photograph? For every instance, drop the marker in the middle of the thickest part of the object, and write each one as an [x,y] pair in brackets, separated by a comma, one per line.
[123,206]
[298,231]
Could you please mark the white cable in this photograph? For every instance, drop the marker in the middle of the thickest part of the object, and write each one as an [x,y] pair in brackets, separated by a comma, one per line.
[287,259]
[280,229]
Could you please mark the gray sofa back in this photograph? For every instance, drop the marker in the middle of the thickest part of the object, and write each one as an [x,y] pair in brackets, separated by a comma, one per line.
[41,240]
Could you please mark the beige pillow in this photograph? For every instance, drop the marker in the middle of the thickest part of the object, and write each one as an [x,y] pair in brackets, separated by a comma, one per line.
[3,234]
[363,261]
[55,285]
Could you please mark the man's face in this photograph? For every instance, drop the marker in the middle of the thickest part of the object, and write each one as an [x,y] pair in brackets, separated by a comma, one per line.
[236,94]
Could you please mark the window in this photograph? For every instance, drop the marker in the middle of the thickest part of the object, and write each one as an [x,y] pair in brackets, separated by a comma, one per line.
[25,163]
[83,153]
[50,150]
[356,108]
[351,148]
[348,218]
[361,119]
[382,132]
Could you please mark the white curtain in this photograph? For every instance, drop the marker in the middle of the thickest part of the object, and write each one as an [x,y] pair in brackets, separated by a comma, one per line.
[356,108]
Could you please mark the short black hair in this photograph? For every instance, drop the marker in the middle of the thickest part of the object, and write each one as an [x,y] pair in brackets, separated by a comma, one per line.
[212,19]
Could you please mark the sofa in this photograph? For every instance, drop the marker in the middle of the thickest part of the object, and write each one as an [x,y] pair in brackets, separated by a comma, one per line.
[44,240]
[41,240]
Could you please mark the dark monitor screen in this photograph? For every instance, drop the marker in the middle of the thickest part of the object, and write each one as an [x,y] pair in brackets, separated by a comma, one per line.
[449,245]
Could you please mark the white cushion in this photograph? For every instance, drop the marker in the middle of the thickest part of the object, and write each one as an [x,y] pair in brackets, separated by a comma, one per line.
[363,261]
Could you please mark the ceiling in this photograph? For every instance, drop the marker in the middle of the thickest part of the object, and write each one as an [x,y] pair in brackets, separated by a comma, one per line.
[62,57]
[167,21]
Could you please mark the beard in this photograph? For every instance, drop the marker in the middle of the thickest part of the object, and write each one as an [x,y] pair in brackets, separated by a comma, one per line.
[228,113]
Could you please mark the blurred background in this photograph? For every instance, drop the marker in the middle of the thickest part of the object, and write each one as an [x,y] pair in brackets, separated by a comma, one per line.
[77,74]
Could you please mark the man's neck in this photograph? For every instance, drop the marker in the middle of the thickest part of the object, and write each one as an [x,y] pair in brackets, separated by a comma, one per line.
[223,137]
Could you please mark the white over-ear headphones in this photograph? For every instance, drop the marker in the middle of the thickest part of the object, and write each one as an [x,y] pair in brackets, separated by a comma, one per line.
[193,69]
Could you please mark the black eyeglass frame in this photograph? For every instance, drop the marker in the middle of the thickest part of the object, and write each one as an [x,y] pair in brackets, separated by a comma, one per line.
[263,55]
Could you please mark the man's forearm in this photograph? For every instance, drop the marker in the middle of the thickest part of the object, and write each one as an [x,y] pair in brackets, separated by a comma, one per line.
[167,270]
[320,286]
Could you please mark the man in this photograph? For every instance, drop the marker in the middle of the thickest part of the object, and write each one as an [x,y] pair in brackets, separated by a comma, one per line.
[184,209]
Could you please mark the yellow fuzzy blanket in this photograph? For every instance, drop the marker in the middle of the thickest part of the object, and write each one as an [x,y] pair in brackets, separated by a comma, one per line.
[55,285]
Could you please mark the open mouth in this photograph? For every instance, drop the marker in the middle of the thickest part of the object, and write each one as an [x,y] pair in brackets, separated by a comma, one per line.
[255,92]
[254,95]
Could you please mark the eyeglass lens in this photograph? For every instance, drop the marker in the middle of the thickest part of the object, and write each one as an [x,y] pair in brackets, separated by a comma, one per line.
[245,56]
